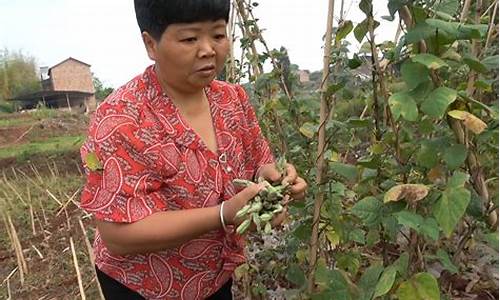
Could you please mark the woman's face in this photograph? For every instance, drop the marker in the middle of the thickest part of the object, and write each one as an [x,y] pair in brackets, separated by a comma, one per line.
[189,56]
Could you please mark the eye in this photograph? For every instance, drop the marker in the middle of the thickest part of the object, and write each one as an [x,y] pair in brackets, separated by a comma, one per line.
[220,36]
[189,40]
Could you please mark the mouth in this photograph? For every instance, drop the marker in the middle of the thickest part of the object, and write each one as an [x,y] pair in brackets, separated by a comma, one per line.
[207,69]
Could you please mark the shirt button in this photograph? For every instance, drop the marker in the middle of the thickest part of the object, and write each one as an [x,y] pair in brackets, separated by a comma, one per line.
[229,169]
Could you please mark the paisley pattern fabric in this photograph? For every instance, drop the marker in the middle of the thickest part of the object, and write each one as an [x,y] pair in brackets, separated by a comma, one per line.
[152,162]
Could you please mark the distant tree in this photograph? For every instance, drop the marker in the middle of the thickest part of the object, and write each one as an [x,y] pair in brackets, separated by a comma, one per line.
[18,74]
[285,67]
[101,92]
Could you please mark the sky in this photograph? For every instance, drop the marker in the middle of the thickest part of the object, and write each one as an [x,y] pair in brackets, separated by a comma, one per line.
[104,33]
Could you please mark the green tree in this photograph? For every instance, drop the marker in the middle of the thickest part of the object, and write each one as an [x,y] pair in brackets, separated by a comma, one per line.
[101,92]
[18,74]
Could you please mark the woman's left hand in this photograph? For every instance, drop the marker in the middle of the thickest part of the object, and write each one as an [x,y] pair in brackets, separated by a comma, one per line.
[298,185]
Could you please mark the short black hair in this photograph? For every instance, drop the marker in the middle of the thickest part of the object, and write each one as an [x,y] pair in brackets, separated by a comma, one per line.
[154,16]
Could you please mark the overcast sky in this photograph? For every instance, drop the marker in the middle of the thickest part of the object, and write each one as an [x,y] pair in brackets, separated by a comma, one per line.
[104,33]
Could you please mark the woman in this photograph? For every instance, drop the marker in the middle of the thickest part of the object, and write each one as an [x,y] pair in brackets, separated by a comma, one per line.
[168,145]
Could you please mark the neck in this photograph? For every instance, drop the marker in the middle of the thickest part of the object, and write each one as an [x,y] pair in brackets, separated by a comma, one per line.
[185,98]
[179,94]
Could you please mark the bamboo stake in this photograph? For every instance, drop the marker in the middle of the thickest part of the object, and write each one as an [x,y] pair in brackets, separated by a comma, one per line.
[21,262]
[230,76]
[78,275]
[490,29]
[91,256]
[32,216]
[257,68]
[321,146]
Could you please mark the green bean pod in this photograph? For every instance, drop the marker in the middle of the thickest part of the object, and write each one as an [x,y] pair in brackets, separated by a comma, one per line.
[243,226]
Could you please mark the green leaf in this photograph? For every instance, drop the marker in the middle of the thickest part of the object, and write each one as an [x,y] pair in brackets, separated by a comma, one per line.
[402,104]
[437,102]
[450,208]
[357,235]
[333,88]
[385,282]
[456,29]
[350,172]
[92,162]
[339,286]
[475,64]
[344,30]
[491,62]
[295,275]
[414,74]
[373,237]
[358,123]
[369,210]
[449,7]
[409,219]
[360,30]
[348,262]
[492,240]
[427,226]
[446,261]
[421,31]
[401,264]
[355,62]
[395,5]
[430,228]
[426,156]
[366,6]
[457,180]
[368,281]
[455,156]
[430,61]
[308,129]
[422,286]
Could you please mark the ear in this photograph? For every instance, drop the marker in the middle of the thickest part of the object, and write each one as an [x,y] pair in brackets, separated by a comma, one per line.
[151,45]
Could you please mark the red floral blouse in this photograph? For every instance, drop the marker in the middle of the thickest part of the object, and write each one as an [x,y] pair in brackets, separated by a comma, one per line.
[153,161]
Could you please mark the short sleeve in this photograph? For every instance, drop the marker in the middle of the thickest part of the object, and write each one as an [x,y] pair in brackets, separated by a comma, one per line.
[123,189]
[253,139]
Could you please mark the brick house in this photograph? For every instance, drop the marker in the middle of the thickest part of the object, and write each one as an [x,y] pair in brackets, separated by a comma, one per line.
[66,85]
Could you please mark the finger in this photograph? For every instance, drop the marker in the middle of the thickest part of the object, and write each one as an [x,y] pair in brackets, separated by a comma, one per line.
[299,196]
[250,191]
[299,186]
[269,172]
[280,218]
[291,174]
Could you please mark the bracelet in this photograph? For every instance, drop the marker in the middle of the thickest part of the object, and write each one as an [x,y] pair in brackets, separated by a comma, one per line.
[221,215]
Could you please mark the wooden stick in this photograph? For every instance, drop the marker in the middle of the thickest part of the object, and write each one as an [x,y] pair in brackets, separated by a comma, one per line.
[70,199]
[54,197]
[11,186]
[32,215]
[10,275]
[320,163]
[91,256]
[14,172]
[78,275]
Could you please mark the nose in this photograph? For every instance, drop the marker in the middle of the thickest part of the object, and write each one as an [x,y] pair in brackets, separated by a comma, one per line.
[206,49]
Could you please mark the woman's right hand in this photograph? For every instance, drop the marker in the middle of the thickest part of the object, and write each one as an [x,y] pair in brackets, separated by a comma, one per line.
[232,206]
